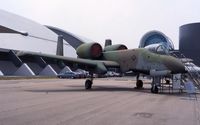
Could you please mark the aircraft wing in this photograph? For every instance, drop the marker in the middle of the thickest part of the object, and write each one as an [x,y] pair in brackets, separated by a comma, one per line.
[95,66]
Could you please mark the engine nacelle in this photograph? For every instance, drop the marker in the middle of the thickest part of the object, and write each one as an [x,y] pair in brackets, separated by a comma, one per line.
[160,73]
[115,47]
[89,51]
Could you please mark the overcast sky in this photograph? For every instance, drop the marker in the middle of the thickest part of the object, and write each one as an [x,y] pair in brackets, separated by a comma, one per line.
[123,21]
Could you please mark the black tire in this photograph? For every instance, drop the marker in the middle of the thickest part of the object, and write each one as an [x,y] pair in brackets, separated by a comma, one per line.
[88,84]
[139,84]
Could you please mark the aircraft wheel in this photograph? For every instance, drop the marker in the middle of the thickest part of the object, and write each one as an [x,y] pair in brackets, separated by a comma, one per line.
[139,84]
[88,84]
[154,89]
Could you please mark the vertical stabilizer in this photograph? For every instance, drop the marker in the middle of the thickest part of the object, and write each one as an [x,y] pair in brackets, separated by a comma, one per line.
[59,50]
[108,42]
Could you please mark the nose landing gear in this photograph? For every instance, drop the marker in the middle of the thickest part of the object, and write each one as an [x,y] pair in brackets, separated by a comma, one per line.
[89,82]
[155,83]
[154,89]
[139,83]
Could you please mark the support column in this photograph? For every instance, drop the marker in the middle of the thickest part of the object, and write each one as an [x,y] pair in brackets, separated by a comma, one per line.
[40,61]
[1,73]
[15,59]
[66,68]
[24,70]
[48,71]
[59,50]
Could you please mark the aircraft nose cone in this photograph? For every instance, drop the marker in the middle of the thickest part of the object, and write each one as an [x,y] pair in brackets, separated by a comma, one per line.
[180,68]
[175,65]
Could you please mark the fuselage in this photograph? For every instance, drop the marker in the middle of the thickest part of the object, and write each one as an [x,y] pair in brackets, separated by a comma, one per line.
[142,60]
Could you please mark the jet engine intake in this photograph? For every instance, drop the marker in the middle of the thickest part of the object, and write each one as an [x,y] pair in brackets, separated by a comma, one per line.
[89,51]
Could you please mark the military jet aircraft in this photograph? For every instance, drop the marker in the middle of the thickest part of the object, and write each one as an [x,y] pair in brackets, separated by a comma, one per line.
[93,58]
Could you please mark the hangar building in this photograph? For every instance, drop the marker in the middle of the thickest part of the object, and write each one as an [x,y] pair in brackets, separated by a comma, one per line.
[20,34]
[189,41]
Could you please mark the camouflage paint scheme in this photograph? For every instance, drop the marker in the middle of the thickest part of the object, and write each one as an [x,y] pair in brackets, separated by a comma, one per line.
[142,60]
[139,60]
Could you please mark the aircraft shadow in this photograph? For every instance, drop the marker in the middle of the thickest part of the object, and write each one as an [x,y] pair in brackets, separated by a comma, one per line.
[74,88]
[94,89]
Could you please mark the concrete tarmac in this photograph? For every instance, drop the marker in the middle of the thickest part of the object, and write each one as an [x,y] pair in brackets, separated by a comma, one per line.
[110,102]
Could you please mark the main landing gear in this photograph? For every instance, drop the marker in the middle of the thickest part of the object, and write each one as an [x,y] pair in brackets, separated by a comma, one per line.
[155,83]
[139,83]
[89,82]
